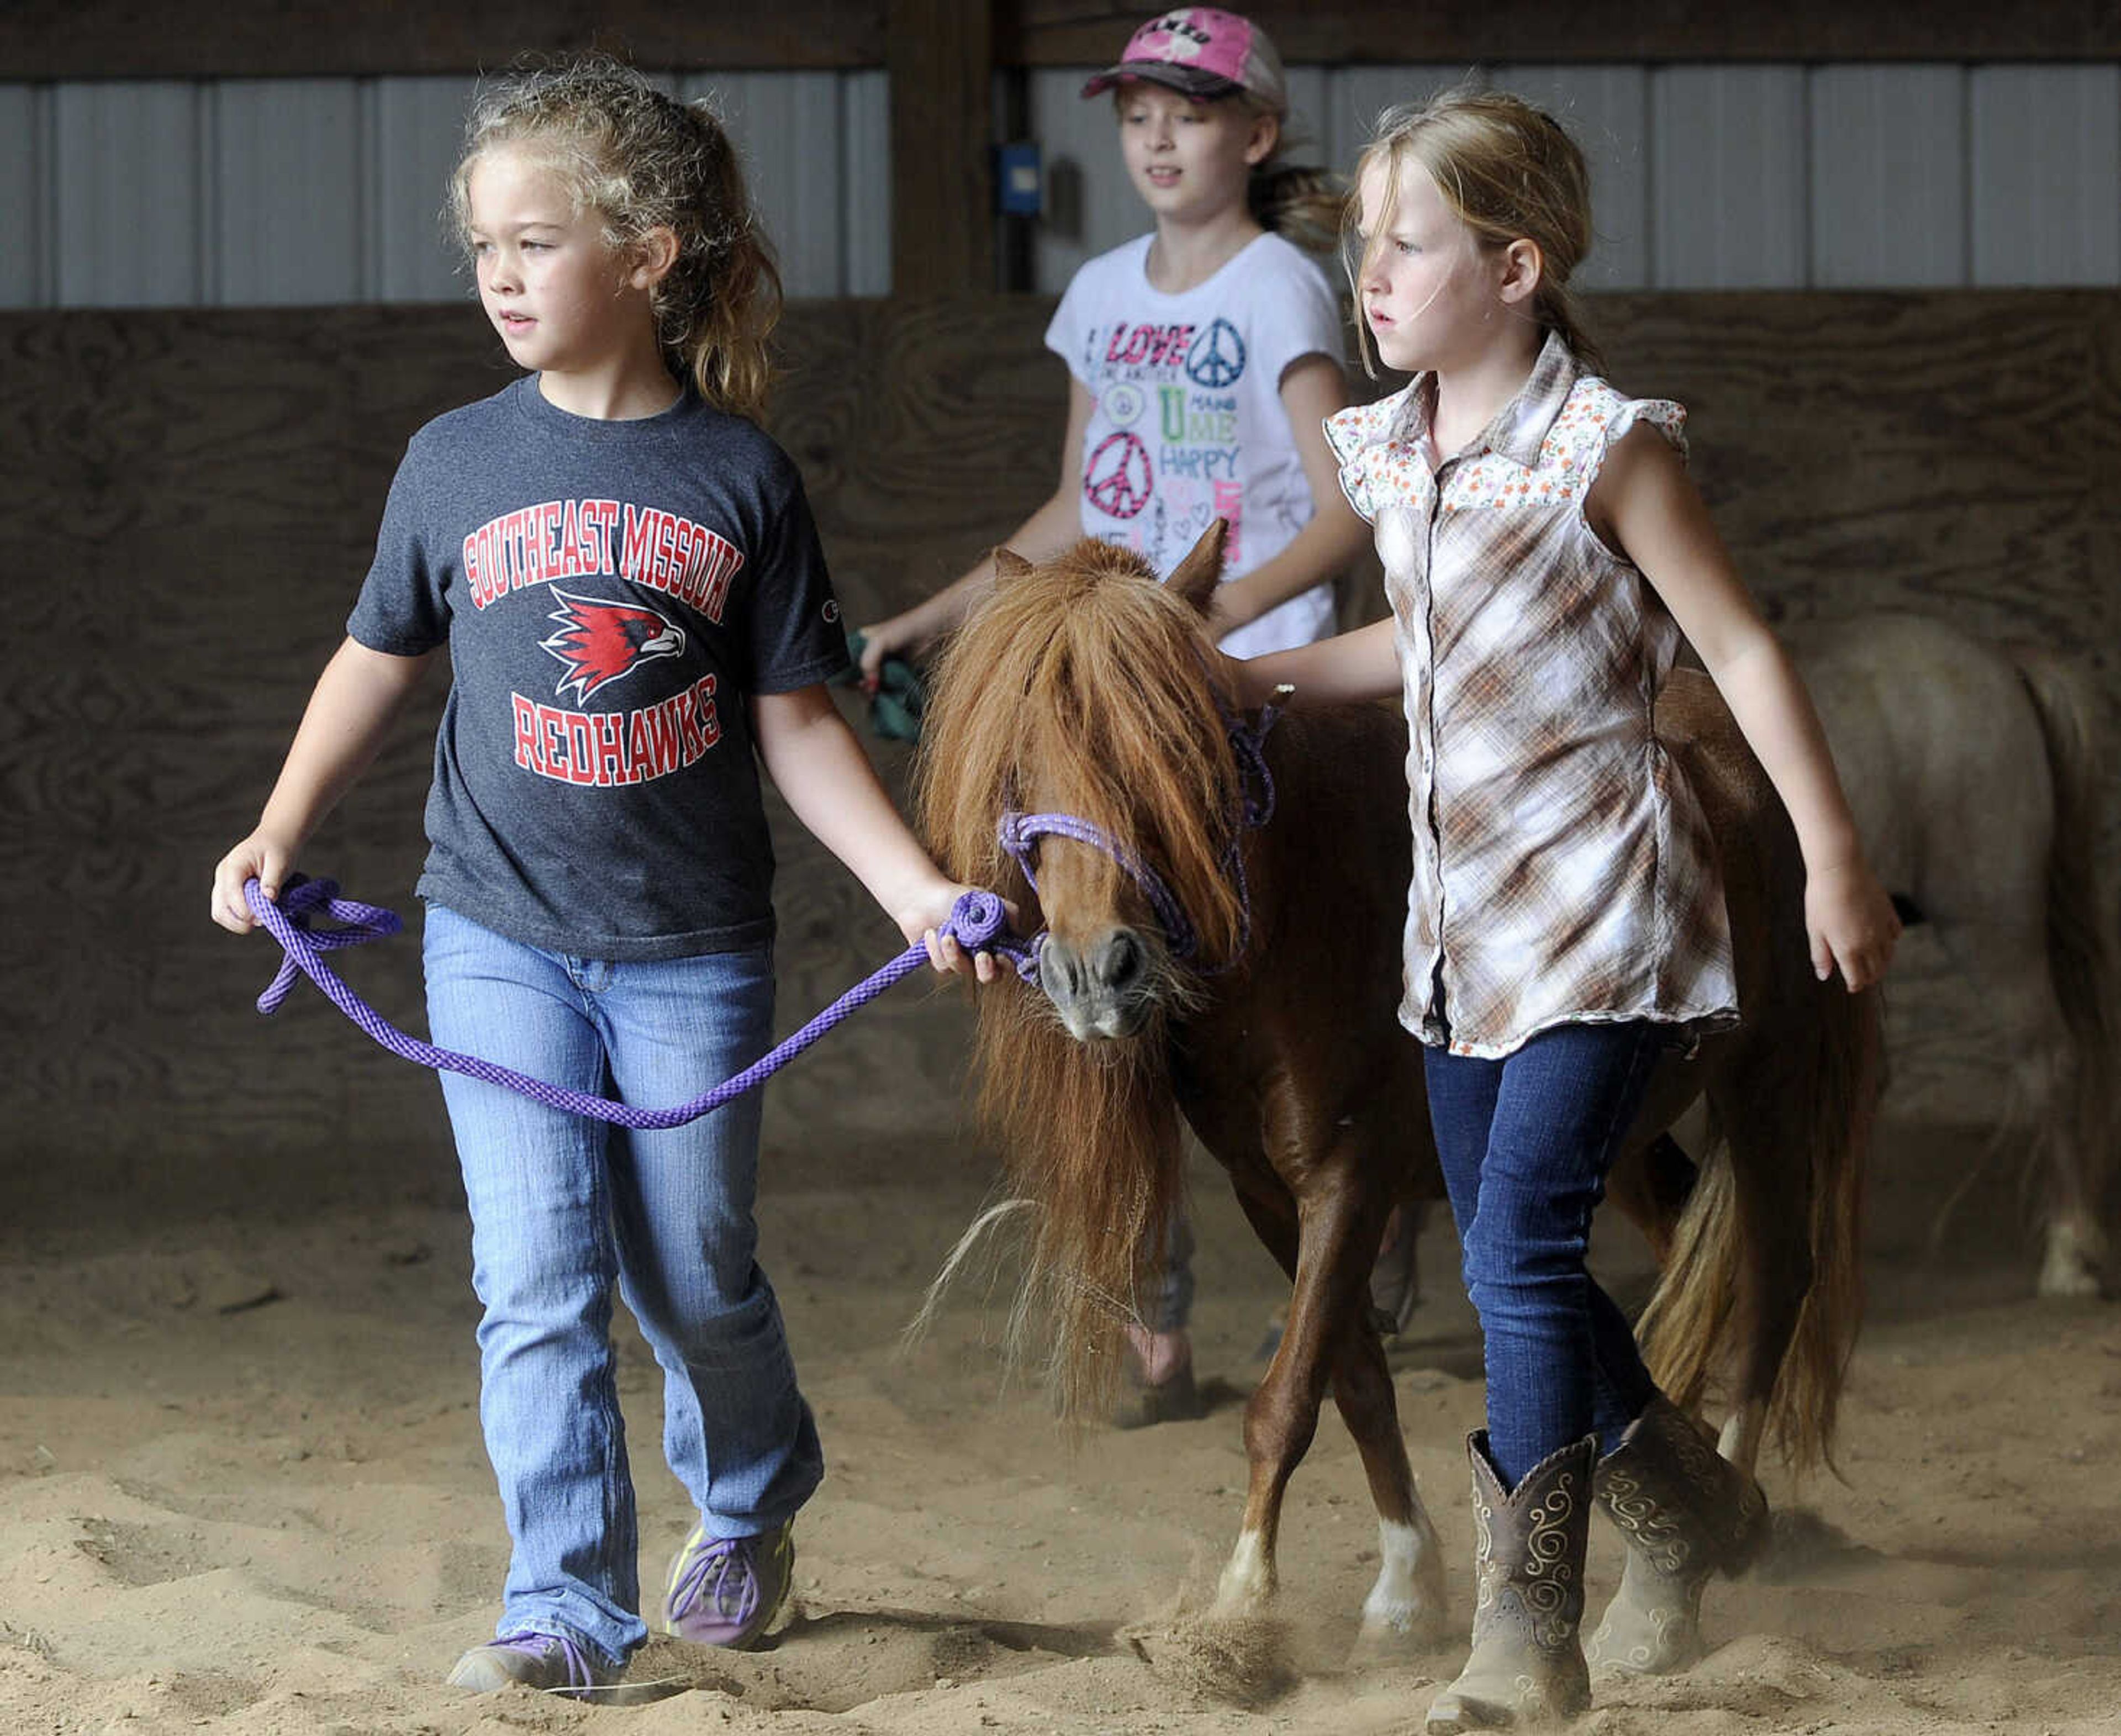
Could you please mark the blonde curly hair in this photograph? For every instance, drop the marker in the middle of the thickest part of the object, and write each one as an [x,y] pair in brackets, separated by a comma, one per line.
[643,161]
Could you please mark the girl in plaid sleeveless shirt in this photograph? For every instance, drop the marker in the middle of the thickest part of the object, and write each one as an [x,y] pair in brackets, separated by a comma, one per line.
[1544,553]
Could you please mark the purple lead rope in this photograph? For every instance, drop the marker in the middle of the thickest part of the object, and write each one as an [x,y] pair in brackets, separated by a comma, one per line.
[979,920]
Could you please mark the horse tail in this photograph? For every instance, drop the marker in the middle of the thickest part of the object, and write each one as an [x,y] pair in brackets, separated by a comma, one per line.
[2080,939]
[1688,1315]
[1727,1278]
[1848,1070]
[1750,1282]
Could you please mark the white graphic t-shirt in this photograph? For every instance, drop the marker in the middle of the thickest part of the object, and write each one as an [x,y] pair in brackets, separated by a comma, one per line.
[1188,425]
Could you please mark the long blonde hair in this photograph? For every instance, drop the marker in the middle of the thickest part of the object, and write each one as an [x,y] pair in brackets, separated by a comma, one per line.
[1509,171]
[643,161]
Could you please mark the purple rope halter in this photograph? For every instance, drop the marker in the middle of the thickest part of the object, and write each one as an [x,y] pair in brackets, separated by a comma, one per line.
[1019,834]
[979,920]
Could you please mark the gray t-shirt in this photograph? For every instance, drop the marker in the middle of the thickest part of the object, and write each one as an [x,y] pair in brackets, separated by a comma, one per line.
[611,593]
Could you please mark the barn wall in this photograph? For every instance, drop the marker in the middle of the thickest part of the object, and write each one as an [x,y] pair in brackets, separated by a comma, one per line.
[285,191]
[193,495]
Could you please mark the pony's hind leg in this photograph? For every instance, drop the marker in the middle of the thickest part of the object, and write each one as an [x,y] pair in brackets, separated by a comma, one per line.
[2052,1102]
[1405,1605]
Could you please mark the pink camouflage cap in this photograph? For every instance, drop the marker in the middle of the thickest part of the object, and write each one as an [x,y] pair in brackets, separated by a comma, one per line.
[1202,51]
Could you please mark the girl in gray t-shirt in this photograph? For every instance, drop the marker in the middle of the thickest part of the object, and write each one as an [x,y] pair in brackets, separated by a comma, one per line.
[624,573]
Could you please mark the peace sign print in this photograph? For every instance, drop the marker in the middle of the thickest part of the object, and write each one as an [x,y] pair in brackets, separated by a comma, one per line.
[1217,357]
[1117,479]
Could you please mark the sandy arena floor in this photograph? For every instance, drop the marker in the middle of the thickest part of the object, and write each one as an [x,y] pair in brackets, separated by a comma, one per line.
[242,1489]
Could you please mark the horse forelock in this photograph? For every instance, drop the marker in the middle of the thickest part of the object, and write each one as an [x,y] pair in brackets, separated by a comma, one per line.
[1086,687]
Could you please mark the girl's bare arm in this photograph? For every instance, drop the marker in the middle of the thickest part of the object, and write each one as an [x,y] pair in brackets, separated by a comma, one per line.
[349,714]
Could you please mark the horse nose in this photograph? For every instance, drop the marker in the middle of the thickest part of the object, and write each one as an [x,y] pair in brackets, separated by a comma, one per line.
[1096,988]
[1118,965]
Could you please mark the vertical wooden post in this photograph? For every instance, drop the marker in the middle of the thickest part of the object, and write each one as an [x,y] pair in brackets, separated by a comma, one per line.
[940,57]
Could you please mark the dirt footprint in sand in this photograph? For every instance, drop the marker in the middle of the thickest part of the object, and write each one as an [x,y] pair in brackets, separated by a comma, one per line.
[1237,1660]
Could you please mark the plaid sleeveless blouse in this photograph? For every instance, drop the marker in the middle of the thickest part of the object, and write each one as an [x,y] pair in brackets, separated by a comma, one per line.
[1563,869]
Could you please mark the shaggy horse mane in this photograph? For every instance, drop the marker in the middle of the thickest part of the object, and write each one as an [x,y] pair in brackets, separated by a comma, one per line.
[1084,686]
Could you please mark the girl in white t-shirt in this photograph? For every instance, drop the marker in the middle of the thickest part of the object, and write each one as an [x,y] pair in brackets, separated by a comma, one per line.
[1203,358]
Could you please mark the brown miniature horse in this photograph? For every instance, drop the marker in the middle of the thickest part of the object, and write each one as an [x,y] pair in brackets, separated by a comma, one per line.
[1085,687]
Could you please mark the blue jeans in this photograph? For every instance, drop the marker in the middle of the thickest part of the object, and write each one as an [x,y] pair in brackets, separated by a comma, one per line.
[563,1208]
[1526,1143]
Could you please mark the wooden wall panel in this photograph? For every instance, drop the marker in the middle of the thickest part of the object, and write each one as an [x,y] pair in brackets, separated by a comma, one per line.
[106,38]
[119,39]
[1065,32]
[941,60]
[194,500]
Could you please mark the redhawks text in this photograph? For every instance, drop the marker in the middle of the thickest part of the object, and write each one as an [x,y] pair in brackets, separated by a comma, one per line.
[608,748]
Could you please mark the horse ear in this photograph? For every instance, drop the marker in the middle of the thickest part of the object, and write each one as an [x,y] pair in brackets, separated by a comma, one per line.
[1009,566]
[1196,576]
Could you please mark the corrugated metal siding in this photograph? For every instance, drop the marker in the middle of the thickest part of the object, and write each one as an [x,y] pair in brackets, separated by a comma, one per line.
[285,180]
[1728,192]
[865,181]
[129,176]
[25,190]
[1737,177]
[2045,161]
[240,192]
[1607,111]
[174,193]
[1888,177]
[409,252]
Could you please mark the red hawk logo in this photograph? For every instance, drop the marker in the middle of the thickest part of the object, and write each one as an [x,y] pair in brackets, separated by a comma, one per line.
[599,641]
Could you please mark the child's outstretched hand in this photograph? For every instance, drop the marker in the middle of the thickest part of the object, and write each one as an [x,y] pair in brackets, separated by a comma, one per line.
[1851,922]
[897,694]
[897,639]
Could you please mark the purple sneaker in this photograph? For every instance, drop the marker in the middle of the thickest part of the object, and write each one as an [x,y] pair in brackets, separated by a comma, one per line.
[725,1591]
[553,1664]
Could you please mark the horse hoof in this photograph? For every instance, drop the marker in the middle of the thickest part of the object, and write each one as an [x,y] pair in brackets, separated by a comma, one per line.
[1396,1641]
[1176,1400]
[2076,1252]
[2066,1280]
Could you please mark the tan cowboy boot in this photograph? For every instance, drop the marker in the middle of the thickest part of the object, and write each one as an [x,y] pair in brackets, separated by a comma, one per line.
[1687,1512]
[1525,1669]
